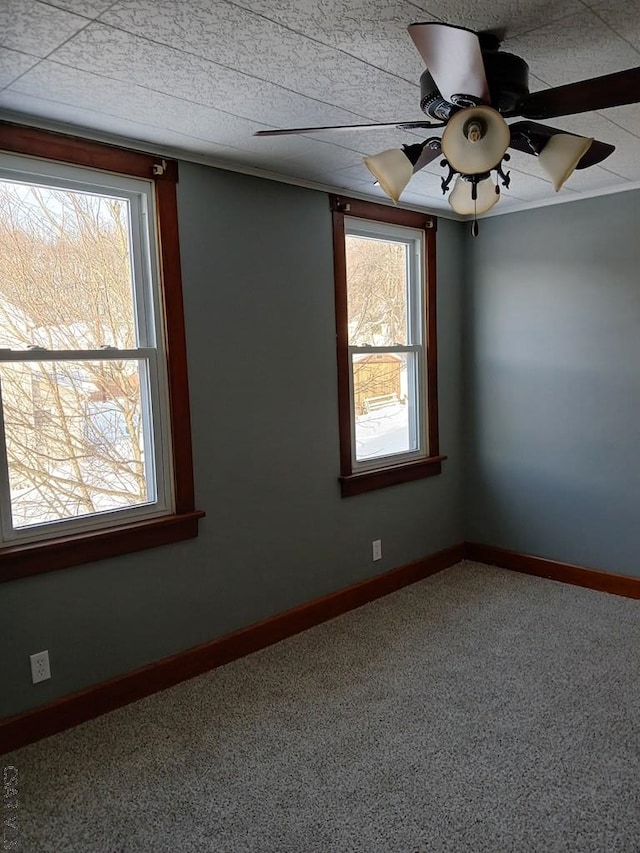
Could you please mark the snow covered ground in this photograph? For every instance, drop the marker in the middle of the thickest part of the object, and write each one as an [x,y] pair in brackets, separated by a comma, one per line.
[383,432]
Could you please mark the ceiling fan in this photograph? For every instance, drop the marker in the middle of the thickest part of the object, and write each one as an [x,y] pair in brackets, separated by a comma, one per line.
[469,88]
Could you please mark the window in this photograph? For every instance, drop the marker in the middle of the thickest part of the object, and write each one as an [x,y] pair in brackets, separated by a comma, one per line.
[386,332]
[95,453]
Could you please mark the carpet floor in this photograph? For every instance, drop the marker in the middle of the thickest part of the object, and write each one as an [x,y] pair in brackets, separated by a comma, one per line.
[478,710]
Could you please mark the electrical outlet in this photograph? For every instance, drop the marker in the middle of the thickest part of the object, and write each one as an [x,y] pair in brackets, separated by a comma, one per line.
[377,549]
[40,669]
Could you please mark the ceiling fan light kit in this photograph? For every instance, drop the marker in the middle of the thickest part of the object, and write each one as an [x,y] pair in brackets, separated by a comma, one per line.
[470,87]
[475,140]
[561,155]
[392,169]
[461,197]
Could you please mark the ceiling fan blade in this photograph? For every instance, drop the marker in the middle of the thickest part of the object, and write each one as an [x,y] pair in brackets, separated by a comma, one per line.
[538,134]
[454,60]
[431,150]
[598,93]
[400,125]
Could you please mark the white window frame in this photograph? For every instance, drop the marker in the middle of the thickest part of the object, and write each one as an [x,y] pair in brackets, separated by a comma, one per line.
[150,351]
[413,238]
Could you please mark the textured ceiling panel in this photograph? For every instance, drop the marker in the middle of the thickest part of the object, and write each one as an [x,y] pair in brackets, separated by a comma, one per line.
[13,64]
[527,187]
[112,53]
[507,16]
[35,28]
[238,39]
[372,30]
[88,8]
[623,17]
[102,123]
[571,49]
[202,76]
[128,101]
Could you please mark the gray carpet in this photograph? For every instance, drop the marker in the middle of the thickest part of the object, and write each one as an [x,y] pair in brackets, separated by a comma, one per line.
[479,710]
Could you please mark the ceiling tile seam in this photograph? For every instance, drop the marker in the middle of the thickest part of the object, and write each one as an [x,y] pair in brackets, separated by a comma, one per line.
[93,110]
[177,97]
[559,20]
[614,31]
[617,174]
[22,53]
[57,47]
[321,43]
[620,126]
[209,62]
[53,5]
[426,11]
[187,135]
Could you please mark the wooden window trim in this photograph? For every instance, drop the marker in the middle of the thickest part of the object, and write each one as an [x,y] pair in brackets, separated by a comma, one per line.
[354,483]
[18,560]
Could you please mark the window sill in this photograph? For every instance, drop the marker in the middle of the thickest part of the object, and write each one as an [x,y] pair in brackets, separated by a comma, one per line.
[33,558]
[368,481]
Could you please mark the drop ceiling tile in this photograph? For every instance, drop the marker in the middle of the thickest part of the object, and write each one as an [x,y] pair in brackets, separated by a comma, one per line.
[87,8]
[13,64]
[507,200]
[318,159]
[357,173]
[372,30]
[575,48]
[622,16]
[627,117]
[509,16]
[246,42]
[367,142]
[427,183]
[593,178]
[527,187]
[95,122]
[122,56]
[35,28]
[126,100]
[520,162]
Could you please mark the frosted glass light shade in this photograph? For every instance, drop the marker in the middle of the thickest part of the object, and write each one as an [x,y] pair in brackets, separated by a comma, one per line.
[461,201]
[392,169]
[469,156]
[561,155]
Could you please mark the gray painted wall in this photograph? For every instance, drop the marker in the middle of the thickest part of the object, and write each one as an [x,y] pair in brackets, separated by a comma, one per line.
[258,282]
[552,378]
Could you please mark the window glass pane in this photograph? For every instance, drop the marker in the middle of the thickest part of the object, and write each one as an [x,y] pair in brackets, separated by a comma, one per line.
[75,438]
[65,269]
[385,404]
[376,291]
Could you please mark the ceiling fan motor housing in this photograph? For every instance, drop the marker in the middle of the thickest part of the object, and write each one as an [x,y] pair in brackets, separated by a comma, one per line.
[431,101]
[507,77]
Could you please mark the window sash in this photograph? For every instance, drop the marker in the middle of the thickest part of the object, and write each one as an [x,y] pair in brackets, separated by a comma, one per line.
[416,387]
[415,294]
[157,454]
[150,353]
[142,229]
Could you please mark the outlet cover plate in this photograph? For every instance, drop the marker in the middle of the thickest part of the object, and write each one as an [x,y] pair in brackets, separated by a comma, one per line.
[40,669]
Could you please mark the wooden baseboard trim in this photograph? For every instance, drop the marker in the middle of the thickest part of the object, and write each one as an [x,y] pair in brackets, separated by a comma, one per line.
[61,714]
[541,567]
